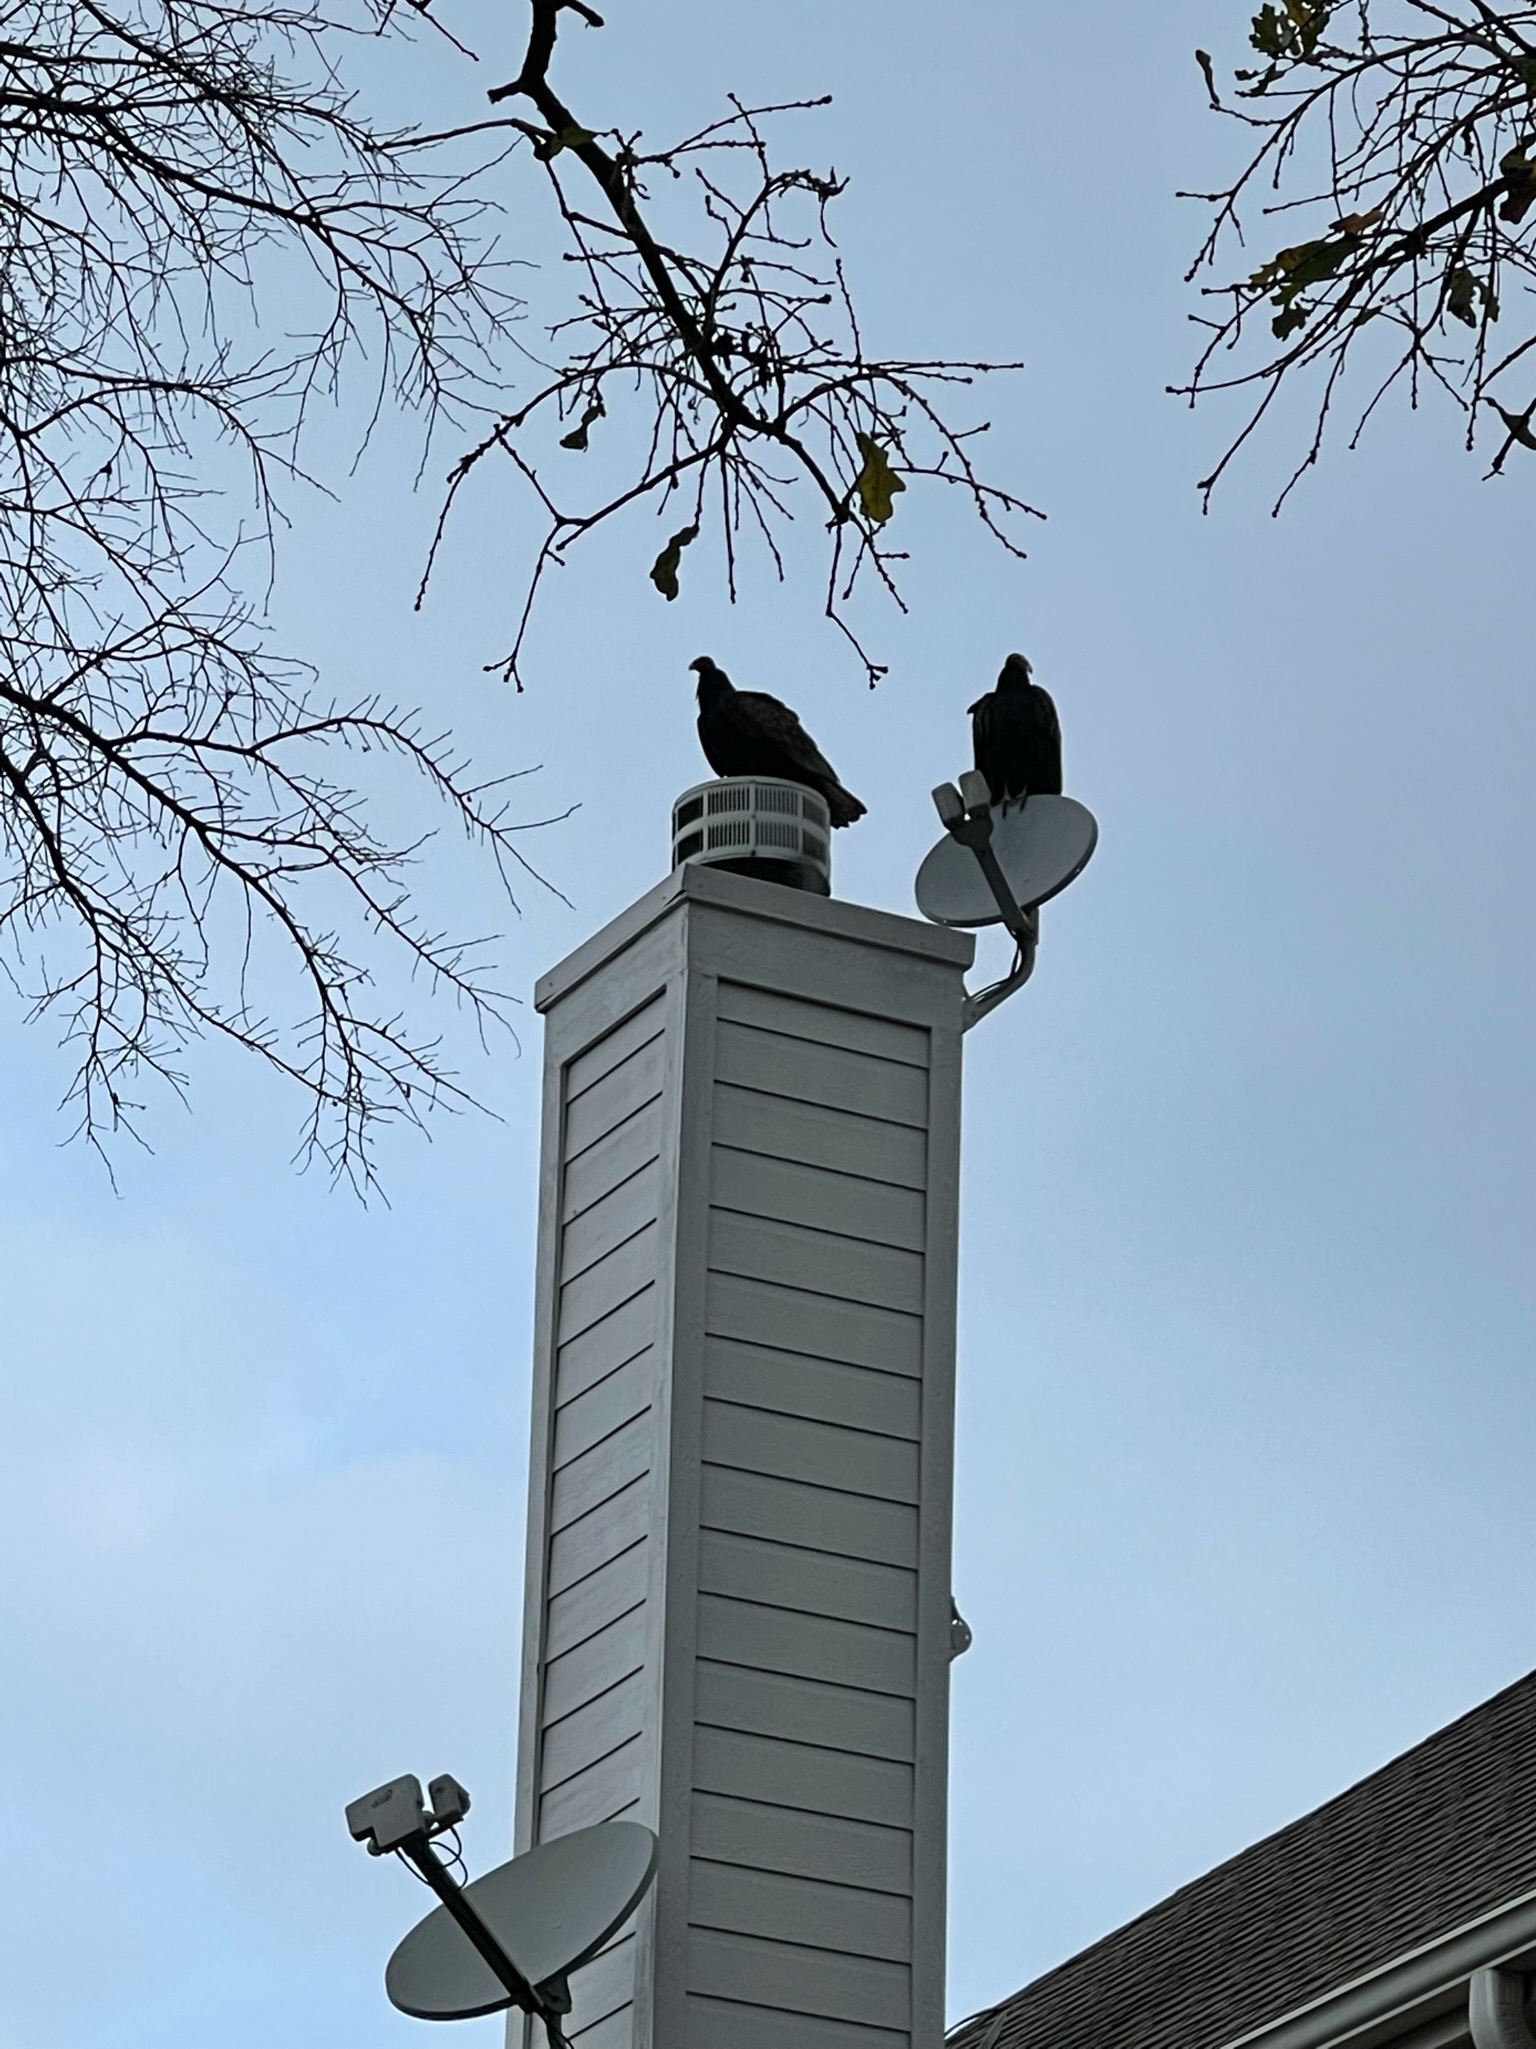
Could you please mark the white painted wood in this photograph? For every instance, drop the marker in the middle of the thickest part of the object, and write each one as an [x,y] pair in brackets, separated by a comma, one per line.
[738,1562]
[822,1024]
[614,1047]
[822,1846]
[850,1204]
[610,1343]
[605,1985]
[781,1066]
[602,1597]
[937,1489]
[821,1136]
[592,1732]
[598,1474]
[856,1333]
[609,1222]
[823,1390]
[797,1448]
[811,1582]
[616,2032]
[767,1903]
[633,1083]
[803,1711]
[733,913]
[808,1646]
[822,1262]
[848,1525]
[802,1979]
[612,1159]
[590,1668]
[598,1411]
[725,2024]
[611,1281]
[589,1543]
[604,1791]
[802,1775]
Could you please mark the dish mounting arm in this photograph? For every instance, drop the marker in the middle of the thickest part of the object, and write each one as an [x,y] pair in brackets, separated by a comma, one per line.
[967,817]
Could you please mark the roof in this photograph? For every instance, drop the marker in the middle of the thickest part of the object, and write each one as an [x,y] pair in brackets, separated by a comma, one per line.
[1442,1834]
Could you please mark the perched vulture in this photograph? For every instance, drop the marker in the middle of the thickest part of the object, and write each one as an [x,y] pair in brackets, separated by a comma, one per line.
[1017,736]
[746,732]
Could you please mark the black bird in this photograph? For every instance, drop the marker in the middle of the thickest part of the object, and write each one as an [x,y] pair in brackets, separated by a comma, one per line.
[746,732]
[1017,736]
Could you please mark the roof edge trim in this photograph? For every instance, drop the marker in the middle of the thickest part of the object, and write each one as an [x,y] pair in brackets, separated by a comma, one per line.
[1390,1999]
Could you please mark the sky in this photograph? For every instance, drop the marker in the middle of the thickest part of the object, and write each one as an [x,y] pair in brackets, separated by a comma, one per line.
[1245,1401]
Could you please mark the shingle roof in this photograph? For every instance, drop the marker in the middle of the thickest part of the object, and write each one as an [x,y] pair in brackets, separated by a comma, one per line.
[1440,1835]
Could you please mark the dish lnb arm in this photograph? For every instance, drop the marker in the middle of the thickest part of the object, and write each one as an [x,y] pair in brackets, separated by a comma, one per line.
[966,814]
[396,1817]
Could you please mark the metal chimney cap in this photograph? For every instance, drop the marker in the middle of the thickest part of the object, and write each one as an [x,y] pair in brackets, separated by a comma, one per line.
[756,825]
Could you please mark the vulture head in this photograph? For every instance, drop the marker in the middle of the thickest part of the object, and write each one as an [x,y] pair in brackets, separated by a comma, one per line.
[711,676]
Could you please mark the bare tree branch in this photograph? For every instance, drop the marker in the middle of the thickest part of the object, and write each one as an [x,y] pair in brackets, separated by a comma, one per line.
[743,355]
[176,832]
[170,812]
[1407,131]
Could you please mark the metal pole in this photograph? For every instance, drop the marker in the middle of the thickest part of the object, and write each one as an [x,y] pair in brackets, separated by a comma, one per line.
[417,1850]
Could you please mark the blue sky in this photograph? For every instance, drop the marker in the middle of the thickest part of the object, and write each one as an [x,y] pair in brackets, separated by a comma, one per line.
[1247,1299]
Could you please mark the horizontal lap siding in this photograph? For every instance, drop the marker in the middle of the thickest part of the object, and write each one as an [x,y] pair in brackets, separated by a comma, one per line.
[601,1792]
[755,1440]
[792,1320]
[788,1576]
[602,1989]
[825,1846]
[837,1917]
[727,2024]
[820,1135]
[806,1613]
[602,1453]
[616,2032]
[798,1194]
[805,1711]
[766,1768]
[819,1518]
[823,1390]
[804,1980]
[595,1600]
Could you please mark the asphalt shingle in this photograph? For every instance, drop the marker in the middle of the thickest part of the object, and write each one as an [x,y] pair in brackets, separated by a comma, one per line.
[1442,1834]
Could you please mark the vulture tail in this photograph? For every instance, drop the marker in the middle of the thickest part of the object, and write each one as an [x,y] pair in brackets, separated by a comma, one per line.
[842,805]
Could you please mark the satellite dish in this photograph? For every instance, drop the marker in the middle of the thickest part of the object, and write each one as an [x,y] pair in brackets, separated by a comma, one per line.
[1041,845]
[551,1910]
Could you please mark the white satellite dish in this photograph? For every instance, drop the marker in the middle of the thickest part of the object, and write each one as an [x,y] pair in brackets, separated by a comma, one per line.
[550,1910]
[1041,845]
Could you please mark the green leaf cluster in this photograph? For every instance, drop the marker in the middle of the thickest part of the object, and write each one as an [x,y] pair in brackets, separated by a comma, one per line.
[1287,34]
[664,569]
[1464,291]
[1292,30]
[877,483]
[547,147]
[1518,168]
[1293,271]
